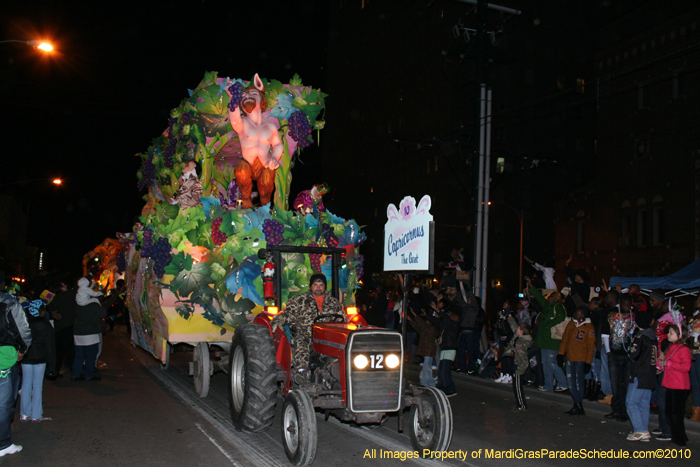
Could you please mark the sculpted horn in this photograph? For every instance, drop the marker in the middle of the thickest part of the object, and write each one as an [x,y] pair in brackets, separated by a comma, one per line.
[258,83]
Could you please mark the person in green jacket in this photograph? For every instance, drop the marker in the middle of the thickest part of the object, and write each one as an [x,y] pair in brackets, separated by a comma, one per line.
[553,313]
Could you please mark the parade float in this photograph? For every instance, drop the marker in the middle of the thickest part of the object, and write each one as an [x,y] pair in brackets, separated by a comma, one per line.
[195,262]
[101,264]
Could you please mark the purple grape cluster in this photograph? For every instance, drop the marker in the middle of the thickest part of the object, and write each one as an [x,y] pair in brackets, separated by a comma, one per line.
[217,236]
[273,231]
[360,267]
[315,259]
[147,243]
[160,253]
[300,128]
[236,91]
[183,121]
[169,152]
[121,262]
[148,172]
[331,239]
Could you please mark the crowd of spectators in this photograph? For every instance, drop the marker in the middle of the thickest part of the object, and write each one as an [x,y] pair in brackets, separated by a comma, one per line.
[41,332]
[636,352]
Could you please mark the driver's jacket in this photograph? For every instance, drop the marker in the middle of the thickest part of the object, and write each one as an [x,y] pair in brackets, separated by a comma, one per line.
[303,311]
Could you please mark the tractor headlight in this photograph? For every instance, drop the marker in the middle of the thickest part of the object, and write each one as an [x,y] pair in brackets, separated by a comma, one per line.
[392,361]
[361,362]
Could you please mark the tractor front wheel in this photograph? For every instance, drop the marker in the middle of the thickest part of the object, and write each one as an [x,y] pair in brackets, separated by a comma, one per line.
[299,435]
[431,429]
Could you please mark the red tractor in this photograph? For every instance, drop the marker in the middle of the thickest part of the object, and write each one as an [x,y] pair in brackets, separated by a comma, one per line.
[357,376]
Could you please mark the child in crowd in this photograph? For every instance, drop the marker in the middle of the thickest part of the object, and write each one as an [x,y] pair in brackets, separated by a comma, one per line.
[578,348]
[676,365]
[521,343]
[642,376]
[85,293]
[40,353]
[522,311]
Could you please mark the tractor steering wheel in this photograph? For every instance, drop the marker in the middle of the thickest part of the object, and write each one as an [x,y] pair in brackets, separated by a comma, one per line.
[337,318]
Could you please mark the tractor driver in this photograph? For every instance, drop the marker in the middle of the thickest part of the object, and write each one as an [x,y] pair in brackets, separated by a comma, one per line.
[302,310]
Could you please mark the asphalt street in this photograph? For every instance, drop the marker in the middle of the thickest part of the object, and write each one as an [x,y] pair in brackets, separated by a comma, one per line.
[140,414]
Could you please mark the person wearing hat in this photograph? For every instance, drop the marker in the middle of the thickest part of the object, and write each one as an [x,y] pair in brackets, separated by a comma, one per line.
[15,339]
[41,354]
[642,376]
[303,310]
[616,334]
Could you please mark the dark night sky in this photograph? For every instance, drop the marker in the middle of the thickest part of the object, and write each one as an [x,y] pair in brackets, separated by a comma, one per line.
[83,112]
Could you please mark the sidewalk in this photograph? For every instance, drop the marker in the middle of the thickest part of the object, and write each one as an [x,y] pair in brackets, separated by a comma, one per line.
[126,419]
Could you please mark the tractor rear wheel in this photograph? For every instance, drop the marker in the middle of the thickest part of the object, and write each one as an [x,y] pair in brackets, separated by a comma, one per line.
[432,430]
[252,388]
[299,435]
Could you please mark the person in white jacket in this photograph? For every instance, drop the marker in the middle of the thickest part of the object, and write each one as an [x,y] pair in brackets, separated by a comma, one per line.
[85,293]
[547,274]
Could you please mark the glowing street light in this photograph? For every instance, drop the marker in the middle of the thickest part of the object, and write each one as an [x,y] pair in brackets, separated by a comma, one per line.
[45,46]
[55,181]
[41,45]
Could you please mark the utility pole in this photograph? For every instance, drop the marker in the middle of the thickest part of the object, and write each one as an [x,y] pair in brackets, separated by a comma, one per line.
[482,178]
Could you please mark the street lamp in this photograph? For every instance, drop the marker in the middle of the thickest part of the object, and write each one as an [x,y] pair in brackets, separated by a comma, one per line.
[55,181]
[520,219]
[41,45]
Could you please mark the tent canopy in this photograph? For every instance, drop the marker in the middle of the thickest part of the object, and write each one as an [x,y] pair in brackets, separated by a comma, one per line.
[685,279]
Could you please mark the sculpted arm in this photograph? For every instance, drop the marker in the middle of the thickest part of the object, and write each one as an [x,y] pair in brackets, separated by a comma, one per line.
[276,149]
[235,117]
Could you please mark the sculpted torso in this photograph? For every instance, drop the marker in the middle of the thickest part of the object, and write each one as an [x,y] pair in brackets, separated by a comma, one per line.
[258,137]
[257,141]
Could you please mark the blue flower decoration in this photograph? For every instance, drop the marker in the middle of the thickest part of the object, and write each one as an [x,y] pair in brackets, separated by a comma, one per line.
[283,109]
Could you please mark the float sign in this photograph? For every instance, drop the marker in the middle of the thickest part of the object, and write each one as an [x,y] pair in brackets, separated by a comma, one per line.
[408,236]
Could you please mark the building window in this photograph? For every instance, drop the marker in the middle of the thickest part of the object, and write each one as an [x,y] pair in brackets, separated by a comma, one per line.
[427,166]
[641,222]
[642,228]
[626,231]
[678,85]
[580,85]
[626,226]
[500,165]
[643,97]
[657,221]
[658,226]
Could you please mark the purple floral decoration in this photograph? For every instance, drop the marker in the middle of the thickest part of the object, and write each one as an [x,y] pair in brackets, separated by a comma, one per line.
[407,208]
